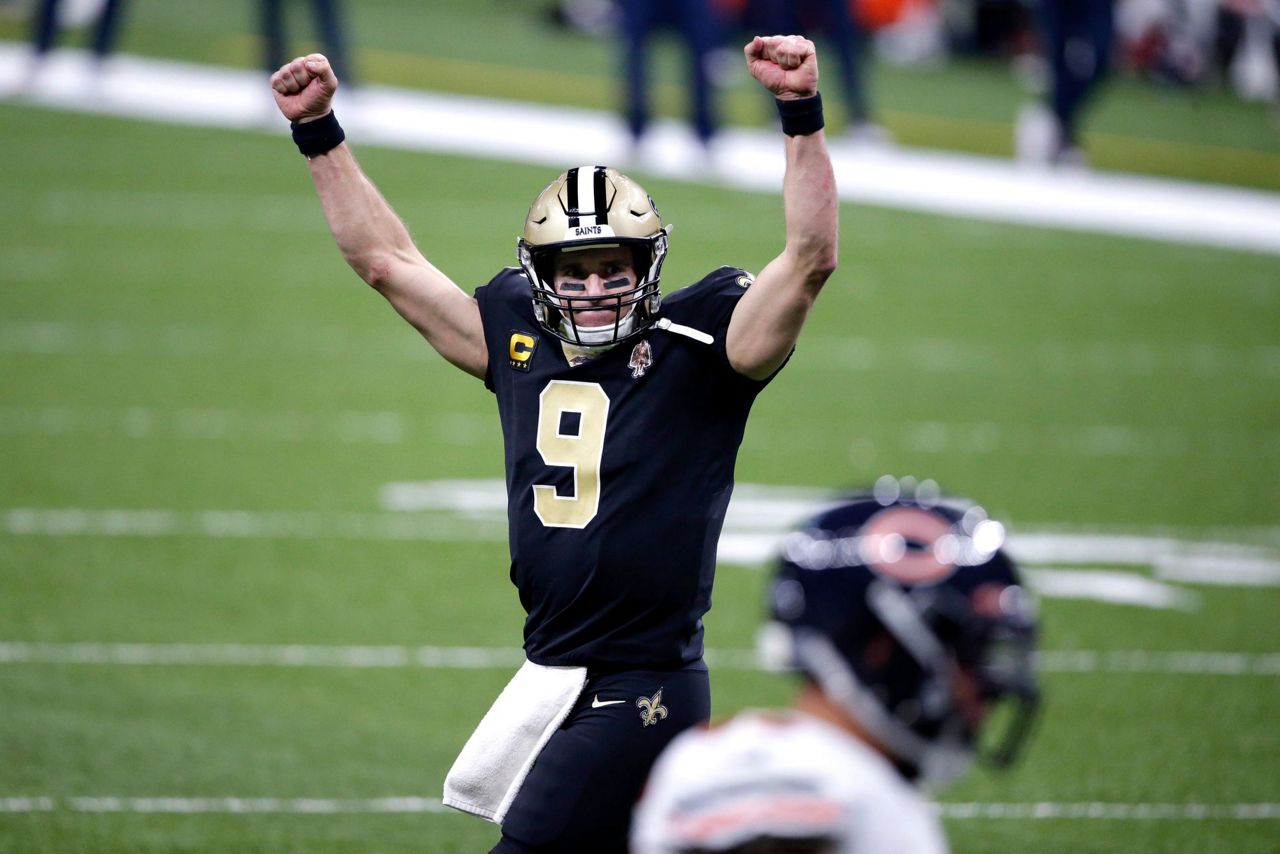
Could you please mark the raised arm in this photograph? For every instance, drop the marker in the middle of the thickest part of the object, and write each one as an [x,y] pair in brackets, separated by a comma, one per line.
[768,318]
[372,238]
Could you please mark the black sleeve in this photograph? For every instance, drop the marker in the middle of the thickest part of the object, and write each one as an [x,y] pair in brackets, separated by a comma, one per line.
[495,302]
[708,306]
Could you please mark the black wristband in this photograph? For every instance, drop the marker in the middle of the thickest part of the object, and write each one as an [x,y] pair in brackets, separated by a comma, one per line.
[801,116]
[317,137]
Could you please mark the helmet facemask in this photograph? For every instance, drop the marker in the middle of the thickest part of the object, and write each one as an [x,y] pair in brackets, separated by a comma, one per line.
[585,208]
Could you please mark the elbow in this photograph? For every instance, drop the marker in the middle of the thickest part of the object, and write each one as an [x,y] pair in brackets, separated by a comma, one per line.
[824,265]
[374,269]
[818,263]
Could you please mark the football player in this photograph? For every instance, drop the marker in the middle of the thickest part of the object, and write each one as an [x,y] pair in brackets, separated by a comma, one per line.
[622,411]
[910,626]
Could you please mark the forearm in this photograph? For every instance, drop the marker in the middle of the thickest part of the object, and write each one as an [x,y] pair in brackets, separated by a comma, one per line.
[811,211]
[378,247]
[769,317]
[368,232]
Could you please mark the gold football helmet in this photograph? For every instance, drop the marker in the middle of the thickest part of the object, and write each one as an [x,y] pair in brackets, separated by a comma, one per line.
[593,206]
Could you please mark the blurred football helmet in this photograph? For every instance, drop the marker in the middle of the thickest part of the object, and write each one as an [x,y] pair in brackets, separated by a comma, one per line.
[903,608]
[593,207]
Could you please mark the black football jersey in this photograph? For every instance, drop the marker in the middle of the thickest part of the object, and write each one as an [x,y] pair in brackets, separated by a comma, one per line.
[619,471]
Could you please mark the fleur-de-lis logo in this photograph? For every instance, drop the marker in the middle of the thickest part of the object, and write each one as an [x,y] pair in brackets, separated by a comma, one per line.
[651,708]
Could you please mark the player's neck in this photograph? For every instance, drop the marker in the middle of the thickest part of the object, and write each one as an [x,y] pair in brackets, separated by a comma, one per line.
[579,355]
[812,701]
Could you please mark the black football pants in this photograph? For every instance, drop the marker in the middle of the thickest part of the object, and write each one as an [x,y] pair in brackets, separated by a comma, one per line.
[582,787]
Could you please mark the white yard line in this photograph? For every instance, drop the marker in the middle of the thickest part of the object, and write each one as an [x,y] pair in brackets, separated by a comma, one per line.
[1208,362]
[212,423]
[1117,588]
[393,428]
[244,524]
[468,428]
[413,804]
[60,337]
[1184,663]
[262,655]
[224,805]
[1072,564]
[1221,571]
[1103,811]
[933,181]
[1133,357]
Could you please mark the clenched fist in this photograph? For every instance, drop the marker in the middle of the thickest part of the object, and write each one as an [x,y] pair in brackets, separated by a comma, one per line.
[785,65]
[304,88]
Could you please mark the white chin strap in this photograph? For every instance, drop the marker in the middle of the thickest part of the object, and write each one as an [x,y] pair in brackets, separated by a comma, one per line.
[597,335]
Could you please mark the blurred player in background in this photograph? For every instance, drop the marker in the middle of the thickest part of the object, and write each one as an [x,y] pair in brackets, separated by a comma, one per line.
[622,412]
[910,627]
[48,19]
[699,27]
[1076,38]
[837,20]
[329,29]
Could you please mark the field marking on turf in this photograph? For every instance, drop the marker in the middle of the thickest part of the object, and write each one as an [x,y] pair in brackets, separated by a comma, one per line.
[760,516]
[932,437]
[245,524]
[934,181]
[477,516]
[141,422]
[155,210]
[1102,811]
[472,428]
[1224,571]
[1188,663]
[225,805]
[413,804]
[1099,357]
[1118,588]
[60,337]
[1065,564]
[221,424]
[53,336]
[33,263]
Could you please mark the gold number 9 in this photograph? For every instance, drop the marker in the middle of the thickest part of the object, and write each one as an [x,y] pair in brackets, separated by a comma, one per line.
[580,451]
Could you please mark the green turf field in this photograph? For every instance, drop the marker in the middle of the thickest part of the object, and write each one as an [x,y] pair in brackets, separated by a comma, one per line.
[178,335]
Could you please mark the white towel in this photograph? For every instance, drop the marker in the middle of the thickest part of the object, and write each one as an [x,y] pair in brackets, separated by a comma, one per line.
[488,773]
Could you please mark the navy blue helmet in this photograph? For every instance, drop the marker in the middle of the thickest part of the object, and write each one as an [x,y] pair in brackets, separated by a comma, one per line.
[904,608]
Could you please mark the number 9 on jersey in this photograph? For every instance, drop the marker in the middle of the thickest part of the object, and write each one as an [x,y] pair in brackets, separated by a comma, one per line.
[581,451]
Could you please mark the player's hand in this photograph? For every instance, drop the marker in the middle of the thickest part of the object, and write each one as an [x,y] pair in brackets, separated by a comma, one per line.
[785,65]
[304,88]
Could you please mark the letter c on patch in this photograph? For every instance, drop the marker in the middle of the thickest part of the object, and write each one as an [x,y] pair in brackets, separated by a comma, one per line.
[521,347]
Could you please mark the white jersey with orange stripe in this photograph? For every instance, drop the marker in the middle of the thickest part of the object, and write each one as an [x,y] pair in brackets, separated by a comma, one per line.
[786,777]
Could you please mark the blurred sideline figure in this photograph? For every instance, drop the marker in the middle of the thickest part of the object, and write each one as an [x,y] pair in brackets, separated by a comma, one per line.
[51,15]
[1247,47]
[1076,39]
[699,26]
[328,20]
[838,21]
[1231,42]
[913,633]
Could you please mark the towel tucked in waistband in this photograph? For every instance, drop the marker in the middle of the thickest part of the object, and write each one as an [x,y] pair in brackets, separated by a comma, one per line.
[488,773]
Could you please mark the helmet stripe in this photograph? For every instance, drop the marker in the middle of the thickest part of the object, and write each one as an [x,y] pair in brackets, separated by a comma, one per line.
[571,196]
[602,204]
